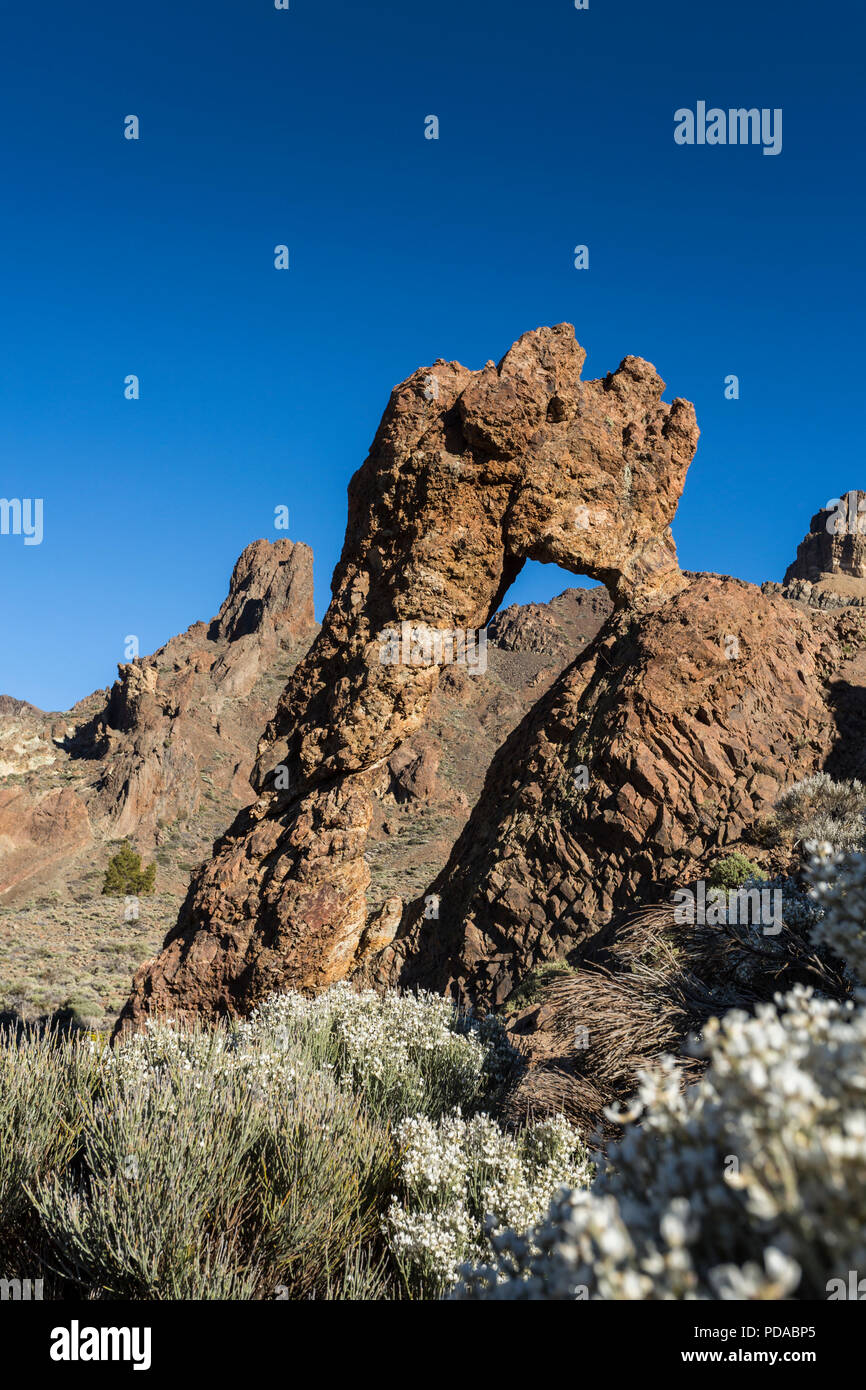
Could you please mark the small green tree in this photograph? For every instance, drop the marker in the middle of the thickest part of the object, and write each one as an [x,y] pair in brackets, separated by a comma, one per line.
[733,872]
[125,877]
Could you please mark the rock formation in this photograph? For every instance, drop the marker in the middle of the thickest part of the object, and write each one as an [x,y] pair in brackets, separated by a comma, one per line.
[689,719]
[470,474]
[176,729]
[830,568]
[62,783]
[661,744]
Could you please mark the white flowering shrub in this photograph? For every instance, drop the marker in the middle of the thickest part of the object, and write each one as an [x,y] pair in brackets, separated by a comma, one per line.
[235,1162]
[749,1184]
[462,1180]
[407,1053]
[818,808]
[838,886]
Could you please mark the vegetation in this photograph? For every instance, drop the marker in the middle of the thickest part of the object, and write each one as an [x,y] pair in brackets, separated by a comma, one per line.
[364,1146]
[297,1155]
[532,989]
[823,810]
[734,871]
[125,877]
[748,1184]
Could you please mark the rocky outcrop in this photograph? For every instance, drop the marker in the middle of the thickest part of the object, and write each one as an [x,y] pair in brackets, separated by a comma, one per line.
[470,474]
[662,745]
[561,626]
[270,595]
[171,743]
[830,569]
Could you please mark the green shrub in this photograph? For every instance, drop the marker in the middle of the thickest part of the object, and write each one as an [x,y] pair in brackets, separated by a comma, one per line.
[217,1181]
[125,877]
[157,1211]
[79,1010]
[734,871]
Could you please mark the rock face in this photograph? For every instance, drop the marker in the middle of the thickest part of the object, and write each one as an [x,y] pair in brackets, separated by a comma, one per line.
[830,568]
[561,626]
[470,474]
[170,743]
[688,719]
[423,793]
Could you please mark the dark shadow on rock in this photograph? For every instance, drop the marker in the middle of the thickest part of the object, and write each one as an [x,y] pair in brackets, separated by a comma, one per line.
[848,757]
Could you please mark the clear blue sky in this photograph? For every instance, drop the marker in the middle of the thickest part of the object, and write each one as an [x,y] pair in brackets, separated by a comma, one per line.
[306,127]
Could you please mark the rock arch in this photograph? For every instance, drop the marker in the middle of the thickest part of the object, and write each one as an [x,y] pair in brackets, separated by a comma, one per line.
[469,475]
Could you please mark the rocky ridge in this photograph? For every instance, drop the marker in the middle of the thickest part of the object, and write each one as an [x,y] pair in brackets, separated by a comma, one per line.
[697,702]
[470,474]
[174,732]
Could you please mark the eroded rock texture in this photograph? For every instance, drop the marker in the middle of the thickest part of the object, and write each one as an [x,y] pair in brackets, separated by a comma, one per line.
[836,543]
[172,740]
[830,569]
[689,719]
[470,474]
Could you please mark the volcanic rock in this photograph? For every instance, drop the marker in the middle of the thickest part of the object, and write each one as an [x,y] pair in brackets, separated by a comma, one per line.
[689,720]
[560,626]
[830,568]
[470,474]
[170,744]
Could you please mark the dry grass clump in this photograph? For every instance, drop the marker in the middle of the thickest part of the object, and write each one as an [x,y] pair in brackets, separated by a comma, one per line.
[644,988]
[600,1023]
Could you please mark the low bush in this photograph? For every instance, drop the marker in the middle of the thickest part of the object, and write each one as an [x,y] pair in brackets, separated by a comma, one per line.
[734,871]
[462,1180]
[45,1083]
[820,809]
[267,1160]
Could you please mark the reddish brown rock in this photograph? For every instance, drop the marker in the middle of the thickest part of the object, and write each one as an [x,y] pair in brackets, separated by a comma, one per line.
[560,626]
[171,743]
[470,474]
[38,831]
[830,569]
[689,720]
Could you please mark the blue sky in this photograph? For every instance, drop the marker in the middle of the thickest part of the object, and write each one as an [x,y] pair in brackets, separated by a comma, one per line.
[306,127]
